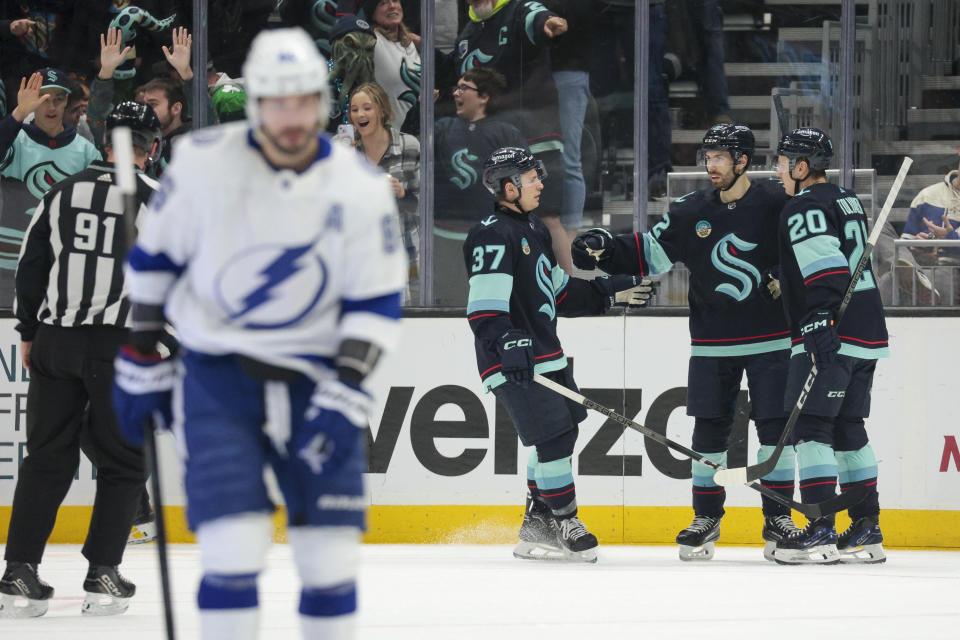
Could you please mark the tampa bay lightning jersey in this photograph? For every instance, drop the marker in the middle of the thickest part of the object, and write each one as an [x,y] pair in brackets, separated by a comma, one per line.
[823,233]
[515,283]
[727,247]
[276,265]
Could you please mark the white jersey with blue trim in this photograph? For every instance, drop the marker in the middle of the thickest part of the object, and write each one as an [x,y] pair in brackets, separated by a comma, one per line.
[269,263]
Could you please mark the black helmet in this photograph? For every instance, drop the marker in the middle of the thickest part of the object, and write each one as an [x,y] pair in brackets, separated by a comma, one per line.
[509,163]
[812,145]
[736,139]
[145,127]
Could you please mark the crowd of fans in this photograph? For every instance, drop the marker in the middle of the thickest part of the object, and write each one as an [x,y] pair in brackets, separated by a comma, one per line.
[548,76]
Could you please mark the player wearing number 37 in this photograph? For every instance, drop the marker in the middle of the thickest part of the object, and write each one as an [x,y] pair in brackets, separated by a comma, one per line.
[823,232]
[517,290]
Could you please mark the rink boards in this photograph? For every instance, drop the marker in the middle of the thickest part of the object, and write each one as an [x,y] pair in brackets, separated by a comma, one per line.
[446,466]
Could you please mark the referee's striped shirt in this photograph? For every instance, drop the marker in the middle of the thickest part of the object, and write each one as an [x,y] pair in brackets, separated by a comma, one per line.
[70,272]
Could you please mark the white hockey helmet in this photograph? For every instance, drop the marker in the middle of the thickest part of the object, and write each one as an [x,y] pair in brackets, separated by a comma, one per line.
[284,62]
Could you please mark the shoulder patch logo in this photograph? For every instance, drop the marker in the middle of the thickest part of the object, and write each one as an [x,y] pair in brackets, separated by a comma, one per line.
[703,229]
[525,246]
[489,221]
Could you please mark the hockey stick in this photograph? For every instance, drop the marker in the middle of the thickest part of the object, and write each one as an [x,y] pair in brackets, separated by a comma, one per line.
[122,143]
[782,121]
[740,475]
[811,511]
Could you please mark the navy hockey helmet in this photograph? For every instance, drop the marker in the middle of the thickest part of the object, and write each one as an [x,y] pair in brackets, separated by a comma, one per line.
[737,139]
[807,143]
[509,163]
[144,125]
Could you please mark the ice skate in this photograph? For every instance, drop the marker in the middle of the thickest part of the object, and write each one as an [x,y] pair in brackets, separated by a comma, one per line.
[539,538]
[775,529]
[862,542]
[814,544]
[142,532]
[108,592]
[579,545]
[144,527]
[22,593]
[696,541]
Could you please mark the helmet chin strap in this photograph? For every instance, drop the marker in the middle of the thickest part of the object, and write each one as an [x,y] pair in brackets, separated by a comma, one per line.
[796,181]
[736,176]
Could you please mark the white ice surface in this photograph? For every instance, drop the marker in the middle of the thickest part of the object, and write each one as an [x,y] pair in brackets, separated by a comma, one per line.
[428,592]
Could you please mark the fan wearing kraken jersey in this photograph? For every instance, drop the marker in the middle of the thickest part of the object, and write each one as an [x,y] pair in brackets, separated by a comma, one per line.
[727,237]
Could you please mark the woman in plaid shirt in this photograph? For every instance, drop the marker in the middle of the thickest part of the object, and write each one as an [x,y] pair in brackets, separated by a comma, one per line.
[398,154]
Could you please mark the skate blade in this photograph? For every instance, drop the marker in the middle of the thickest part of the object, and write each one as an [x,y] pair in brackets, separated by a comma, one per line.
[587,555]
[20,607]
[823,554]
[101,604]
[768,548]
[537,551]
[141,533]
[702,552]
[867,554]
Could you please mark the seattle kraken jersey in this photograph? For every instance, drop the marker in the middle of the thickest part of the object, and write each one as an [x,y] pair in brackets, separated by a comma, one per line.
[511,41]
[727,247]
[276,265]
[41,161]
[461,149]
[515,283]
[823,232]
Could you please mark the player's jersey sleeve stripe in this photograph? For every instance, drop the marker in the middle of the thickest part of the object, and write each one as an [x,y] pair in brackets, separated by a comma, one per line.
[388,306]
[827,273]
[489,292]
[640,255]
[656,257]
[140,261]
[817,254]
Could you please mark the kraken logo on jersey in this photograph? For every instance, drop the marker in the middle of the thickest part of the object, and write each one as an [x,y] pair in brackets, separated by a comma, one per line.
[725,260]
[475,59]
[545,282]
[40,177]
[411,79]
[271,286]
[466,174]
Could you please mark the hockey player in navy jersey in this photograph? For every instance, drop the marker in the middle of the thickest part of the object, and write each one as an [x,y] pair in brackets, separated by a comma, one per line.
[517,290]
[278,259]
[727,237]
[823,230]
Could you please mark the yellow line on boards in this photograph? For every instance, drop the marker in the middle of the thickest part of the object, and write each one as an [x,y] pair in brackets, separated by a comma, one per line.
[498,524]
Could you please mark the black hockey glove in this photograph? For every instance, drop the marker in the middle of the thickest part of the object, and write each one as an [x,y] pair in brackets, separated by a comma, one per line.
[820,337]
[516,355]
[770,283]
[592,247]
[625,291]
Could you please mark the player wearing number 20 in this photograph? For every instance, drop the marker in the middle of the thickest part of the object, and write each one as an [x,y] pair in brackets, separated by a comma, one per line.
[277,257]
[823,232]
[516,293]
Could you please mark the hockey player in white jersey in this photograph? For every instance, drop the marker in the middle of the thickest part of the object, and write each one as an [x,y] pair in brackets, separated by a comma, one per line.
[278,259]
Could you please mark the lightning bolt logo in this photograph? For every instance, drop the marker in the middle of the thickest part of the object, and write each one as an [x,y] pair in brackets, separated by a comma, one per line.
[274,274]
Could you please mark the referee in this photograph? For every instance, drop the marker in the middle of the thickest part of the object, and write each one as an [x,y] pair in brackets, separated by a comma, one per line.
[73,315]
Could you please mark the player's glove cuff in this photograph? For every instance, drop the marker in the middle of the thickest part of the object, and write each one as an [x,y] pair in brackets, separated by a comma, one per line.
[625,291]
[351,401]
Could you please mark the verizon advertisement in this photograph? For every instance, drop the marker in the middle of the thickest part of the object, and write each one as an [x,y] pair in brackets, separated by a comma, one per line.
[438,439]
